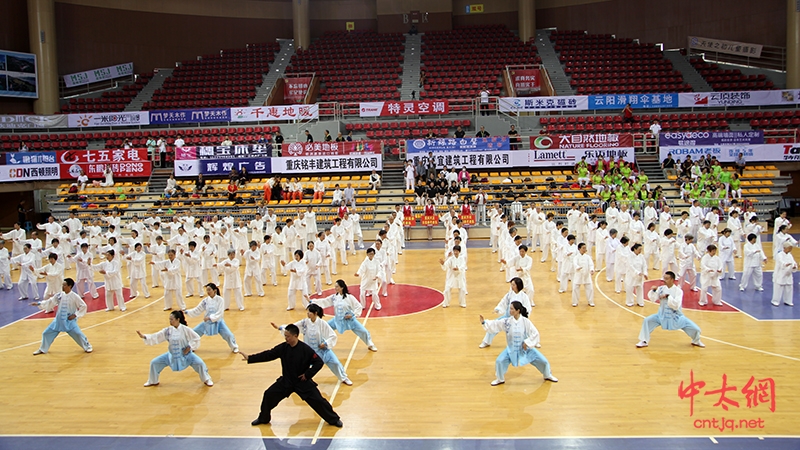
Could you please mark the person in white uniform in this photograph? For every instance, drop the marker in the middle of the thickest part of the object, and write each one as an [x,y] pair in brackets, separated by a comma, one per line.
[54,275]
[252,270]
[582,275]
[85,271]
[782,279]
[635,276]
[298,270]
[138,271]
[192,262]
[183,342]
[670,313]
[520,266]
[212,307]
[70,308]
[516,293]
[521,339]
[687,254]
[171,274]
[232,284]
[754,259]
[111,269]
[455,268]
[208,251]
[313,259]
[346,311]
[268,250]
[710,273]
[370,273]
[5,266]
[727,250]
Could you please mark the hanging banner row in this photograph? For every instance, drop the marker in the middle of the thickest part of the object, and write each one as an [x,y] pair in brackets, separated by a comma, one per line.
[68,164]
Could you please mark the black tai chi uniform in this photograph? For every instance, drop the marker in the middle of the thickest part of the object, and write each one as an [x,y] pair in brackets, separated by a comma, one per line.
[295,361]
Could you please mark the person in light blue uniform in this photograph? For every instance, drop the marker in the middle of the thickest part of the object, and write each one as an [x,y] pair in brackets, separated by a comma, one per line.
[521,339]
[213,324]
[183,342]
[515,293]
[320,337]
[70,307]
[346,311]
[670,313]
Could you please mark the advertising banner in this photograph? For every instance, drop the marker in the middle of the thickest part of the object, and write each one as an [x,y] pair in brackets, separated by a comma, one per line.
[295,89]
[729,47]
[29,172]
[164,117]
[411,107]
[18,158]
[569,157]
[121,169]
[233,152]
[581,141]
[349,163]
[93,76]
[637,101]
[695,138]
[102,156]
[729,153]
[458,145]
[738,98]
[527,104]
[473,160]
[224,167]
[526,82]
[32,121]
[331,148]
[524,158]
[187,168]
[267,113]
[117,119]
[18,75]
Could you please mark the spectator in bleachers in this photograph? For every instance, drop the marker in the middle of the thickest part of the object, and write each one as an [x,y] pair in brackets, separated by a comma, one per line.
[627,114]
[200,185]
[294,190]
[543,131]
[279,140]
[339,137]
[350,136]
[421,192]
[109,176]
[350,196]
[463,177]
[232,189]
[430,169]
[513,138]
[162,150]
[655,129]
[262,140]
[151,145]
[277,189]
[126,144]
[421,78]
[484,100]
[309,137]
[482,133]
[740,163]
[319,189]
[459,133]
[338,196]
[233,176]
[450,175]
[226,142]
[668,162]
[83,179]
[23,147]
[172,186]
[480,206]
[430,134]
[374,181]
[179,142]
[327,137]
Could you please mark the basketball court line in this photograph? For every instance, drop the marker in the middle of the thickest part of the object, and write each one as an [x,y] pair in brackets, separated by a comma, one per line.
[85,328]
[401,438]
[625,308]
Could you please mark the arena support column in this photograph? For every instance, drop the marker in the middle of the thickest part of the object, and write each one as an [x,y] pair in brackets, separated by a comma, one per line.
[302,24]
[527,19]
[42,35]
[792,44]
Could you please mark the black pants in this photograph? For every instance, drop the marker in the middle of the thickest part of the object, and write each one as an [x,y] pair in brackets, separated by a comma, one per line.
[307,391]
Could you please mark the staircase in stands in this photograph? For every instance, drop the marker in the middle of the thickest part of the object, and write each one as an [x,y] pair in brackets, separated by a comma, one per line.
[158,180]
[146,94]
[551,62]
[690,74]
[411,67]
[392,184]
[276,70]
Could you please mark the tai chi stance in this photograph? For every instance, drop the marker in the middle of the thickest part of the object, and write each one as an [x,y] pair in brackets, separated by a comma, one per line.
[183,341]
[670,313]
[70,307]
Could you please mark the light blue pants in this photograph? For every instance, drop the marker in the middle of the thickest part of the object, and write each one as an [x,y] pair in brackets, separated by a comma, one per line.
[27,287]
[224,332]
[357,328]
[159,363]
[50,333]
[651,322]
[330,360]
[504,360]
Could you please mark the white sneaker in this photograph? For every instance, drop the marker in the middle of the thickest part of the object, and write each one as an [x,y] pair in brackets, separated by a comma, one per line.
[699,344]
[347,382]
[377,307]
[741,289]
[592,305]
[372,348]
[498,382]
[209,383]
[148,384]
[38,352]
[89,350]
[235,349]
[641,344]
[484,345]
[761,289]
[551,378]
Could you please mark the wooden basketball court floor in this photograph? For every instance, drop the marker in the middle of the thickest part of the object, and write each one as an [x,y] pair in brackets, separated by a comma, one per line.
[428,385]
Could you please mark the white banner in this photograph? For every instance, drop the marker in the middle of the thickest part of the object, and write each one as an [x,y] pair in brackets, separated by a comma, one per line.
[530,104]
[722,46]
[523,158]
[346,163]
[729,153]
[738,98]
[30,172]
[570,157]
[187,168]
[269,113]
[118,119]
[31,121]
[93,76]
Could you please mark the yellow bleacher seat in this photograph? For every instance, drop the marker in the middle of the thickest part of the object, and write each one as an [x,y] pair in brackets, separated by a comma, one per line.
[515,174]
[546,173]
[556,172]
[771,168]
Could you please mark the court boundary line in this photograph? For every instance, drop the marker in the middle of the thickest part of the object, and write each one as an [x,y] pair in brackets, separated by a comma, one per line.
[399,438]
[625,308]
[86,328]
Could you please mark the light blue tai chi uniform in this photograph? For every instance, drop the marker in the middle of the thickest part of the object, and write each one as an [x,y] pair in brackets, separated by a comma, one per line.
[504,309]
[68,304]
[213,323]
[670,314]
[518,331]
[178,338]
[346,313]
[320,332]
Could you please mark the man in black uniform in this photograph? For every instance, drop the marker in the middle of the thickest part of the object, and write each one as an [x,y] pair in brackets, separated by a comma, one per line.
[299,363]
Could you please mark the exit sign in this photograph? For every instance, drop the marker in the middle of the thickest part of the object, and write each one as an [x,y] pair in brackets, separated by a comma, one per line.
[473,9]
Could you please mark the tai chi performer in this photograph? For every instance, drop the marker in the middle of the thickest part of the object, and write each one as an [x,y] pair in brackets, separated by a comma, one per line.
[516,293]
[183,341]
[70,307]
[111,270]
[346,311]
[754,258]
[582,275]
[455,268]
[782,280]
[297,282]
[213,309]
[370,273]
[171,275]
[670,313]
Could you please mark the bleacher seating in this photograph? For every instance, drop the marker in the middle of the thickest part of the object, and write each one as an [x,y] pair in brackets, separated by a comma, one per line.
[730,79]
[228,79]
[457,62]
[407,129]
[779,126]
[641,122]
[355,66]
[110,101]
[603,64]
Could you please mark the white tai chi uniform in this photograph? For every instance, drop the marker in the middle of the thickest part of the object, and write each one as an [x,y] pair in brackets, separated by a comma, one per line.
[138,273]
[297,282]
[726,250]
[710,272]
[313,260]
[518,331]
[209,273]
[456,278]
[370,273]
[521,267]
[503,308]
[634,279]
[5,268]
[252,273]
[584,266]
[686,256]
[232,285]
[179,338]
[85,273]
[268,263]
[213,310]
[172,282]
[782,279]
[754,257]
[667,254]
[192,262]
[113,282]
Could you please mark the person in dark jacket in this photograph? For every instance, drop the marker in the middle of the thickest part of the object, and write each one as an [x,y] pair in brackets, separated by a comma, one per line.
[299,364]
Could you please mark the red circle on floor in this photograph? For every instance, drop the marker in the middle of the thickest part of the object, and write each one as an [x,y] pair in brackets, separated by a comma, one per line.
[691,299]
[403,299]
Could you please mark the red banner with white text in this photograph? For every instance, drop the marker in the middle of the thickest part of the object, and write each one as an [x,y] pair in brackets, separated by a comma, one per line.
[527,82]
[295,89]
[125,163]
[331,148]
[577,141]
[407,108]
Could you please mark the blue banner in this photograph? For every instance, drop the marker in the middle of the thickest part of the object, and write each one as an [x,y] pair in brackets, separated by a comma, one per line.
[160,117]
[637,101]
[14,159]
[235,151]
[458,145]
[698,138]
[253,166]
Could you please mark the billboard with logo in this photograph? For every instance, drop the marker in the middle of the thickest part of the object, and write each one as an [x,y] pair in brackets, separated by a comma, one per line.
[695,138]
[611,140]
[729,153]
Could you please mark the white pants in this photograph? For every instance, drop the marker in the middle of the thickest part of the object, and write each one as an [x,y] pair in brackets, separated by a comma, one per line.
[782,292]
[110,302]
[5,278]
[688,275]
[462,297]
[610,272]
[409,184]
[758,277]
[727,266]
[89,285]
[576,293]
[619,278]
[156,273]
[375,297]
[135,284]
[273,274]
[209,275]
[234,293]
[292,297]
[634,292]
[250,279]
[190,282]
[314,282]
[716,295]
[171,295]
[599,257]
